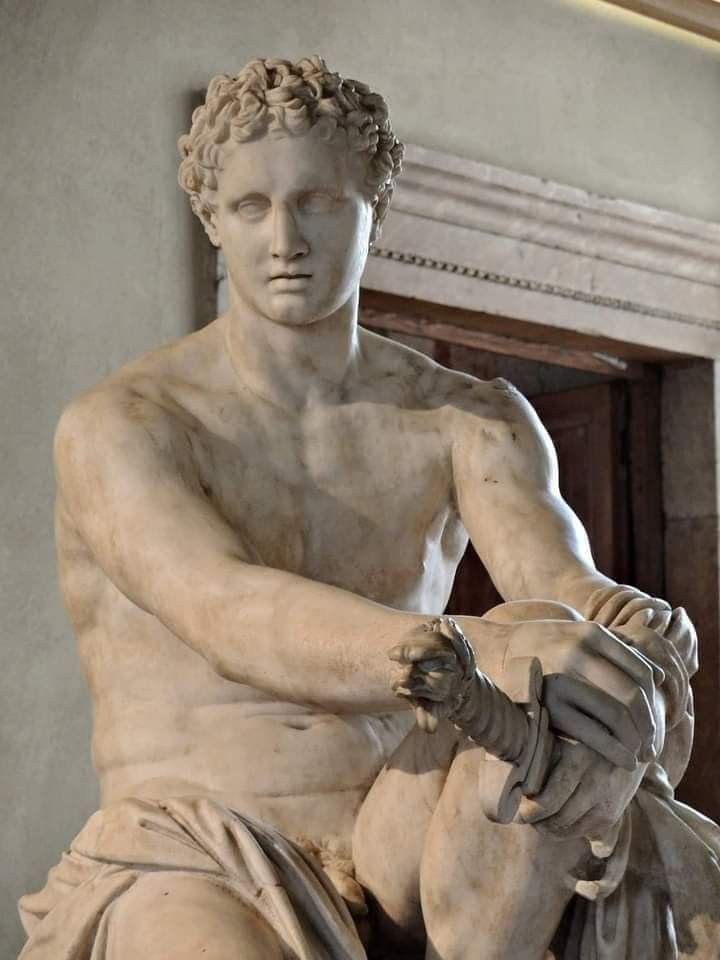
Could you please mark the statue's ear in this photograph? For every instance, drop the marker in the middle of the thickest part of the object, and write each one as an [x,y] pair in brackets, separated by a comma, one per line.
[211,231]
[376,225]
[207,217]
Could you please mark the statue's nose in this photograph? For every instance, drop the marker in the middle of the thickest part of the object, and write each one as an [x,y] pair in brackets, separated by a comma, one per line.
[288,241]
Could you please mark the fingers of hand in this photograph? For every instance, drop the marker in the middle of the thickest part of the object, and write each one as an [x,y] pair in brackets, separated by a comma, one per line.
[651,611]
[567,719]
[681,633]
[574,797]
[641,639]
[625,713]
[595,806]
[679,623]
[625,658]
[656,620]
[572,819]
[572,762]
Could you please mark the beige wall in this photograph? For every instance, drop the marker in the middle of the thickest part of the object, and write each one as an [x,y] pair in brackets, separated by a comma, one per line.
[98,246]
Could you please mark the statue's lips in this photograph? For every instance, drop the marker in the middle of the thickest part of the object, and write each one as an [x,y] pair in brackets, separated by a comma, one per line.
[291,278]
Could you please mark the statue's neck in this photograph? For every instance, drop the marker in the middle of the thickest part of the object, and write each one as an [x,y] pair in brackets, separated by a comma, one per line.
[294,366]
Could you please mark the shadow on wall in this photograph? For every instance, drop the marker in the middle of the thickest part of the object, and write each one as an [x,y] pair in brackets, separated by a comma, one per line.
[204,255]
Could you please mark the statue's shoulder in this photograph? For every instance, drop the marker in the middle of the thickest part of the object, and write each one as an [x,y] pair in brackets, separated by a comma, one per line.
[495,403]
[141,403]
[403,370]
[493,408]
[493,423]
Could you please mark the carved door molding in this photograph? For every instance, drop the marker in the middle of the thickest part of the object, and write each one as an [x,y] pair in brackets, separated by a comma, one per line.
[477,237]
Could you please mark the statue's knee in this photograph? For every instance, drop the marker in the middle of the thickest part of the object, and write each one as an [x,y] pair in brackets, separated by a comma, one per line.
[180,915]
[517,610]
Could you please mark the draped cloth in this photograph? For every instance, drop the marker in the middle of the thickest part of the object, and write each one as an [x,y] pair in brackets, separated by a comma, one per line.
[71,918]
[659,897]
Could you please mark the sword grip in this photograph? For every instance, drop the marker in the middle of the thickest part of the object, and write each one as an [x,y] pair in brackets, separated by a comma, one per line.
[514,733]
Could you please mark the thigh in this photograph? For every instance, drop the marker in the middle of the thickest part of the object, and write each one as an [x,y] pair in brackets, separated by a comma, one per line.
[391,827]
[398,819]
[179,916]
[491,891]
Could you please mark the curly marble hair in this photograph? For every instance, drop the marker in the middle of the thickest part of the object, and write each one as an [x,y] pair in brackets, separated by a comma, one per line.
[280,98]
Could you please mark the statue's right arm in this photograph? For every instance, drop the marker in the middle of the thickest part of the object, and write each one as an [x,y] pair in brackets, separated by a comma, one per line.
[127,482]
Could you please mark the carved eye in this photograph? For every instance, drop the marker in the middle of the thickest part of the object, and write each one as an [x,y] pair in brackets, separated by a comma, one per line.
[252,208]
[318,201]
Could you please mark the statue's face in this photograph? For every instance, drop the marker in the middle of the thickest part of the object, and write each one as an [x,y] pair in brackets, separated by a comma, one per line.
[294,226]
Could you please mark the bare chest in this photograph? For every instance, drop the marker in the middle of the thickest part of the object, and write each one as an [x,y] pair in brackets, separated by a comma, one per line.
[359,496]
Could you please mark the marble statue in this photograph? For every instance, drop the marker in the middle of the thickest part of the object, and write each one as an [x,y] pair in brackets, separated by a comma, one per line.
[258,527]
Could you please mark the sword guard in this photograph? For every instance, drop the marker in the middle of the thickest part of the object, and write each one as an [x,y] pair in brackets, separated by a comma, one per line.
[503,784]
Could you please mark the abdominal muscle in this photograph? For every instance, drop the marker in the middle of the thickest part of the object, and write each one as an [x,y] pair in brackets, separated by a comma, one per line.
[165,724]
[304,772]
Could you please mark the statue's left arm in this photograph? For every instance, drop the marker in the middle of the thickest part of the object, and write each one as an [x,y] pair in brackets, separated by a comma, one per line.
[534,547]
[506,482]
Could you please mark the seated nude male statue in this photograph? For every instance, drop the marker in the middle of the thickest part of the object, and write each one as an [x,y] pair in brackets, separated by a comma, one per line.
[258,527]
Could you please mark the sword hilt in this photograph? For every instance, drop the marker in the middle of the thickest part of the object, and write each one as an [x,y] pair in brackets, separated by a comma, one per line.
[514,732]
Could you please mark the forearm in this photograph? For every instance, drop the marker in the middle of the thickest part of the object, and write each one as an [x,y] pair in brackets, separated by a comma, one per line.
[301,640]
[130,489]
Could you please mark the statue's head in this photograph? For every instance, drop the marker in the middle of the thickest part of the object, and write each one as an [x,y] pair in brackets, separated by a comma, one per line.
[276,98]
[291,169]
